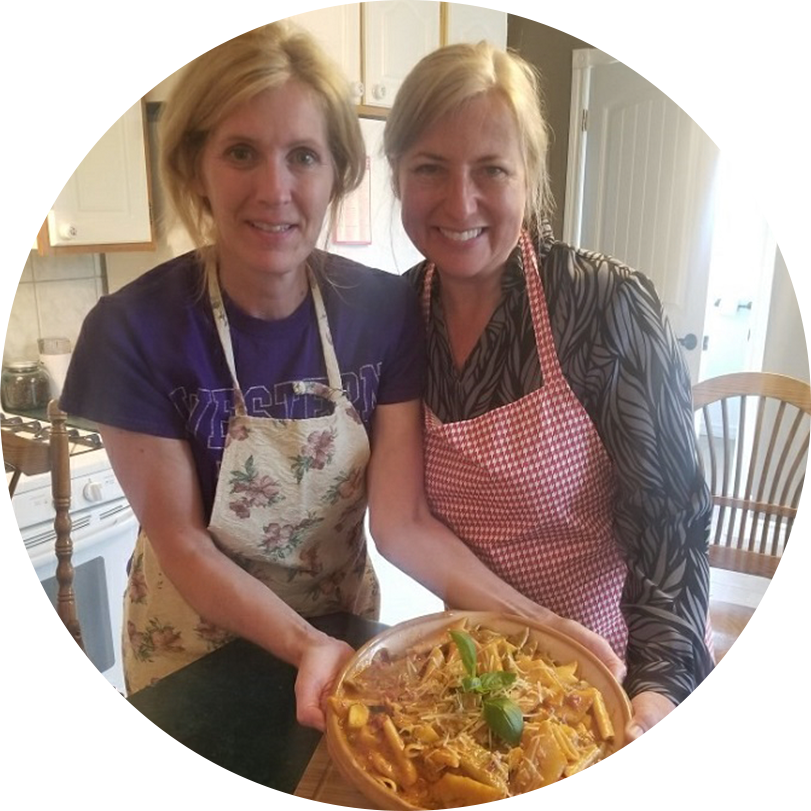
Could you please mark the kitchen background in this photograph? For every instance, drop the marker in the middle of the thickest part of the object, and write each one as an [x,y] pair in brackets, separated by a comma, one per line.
[59,281]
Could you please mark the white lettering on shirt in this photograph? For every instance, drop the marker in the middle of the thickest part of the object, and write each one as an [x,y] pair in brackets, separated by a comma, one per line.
[207,412]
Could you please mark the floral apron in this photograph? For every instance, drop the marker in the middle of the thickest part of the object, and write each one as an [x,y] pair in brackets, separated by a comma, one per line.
[288,508]
[529,487]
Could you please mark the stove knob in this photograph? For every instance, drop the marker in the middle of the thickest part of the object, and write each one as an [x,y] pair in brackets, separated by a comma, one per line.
[93,491]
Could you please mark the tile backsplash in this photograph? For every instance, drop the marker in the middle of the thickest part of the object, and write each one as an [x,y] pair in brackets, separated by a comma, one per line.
[54,295]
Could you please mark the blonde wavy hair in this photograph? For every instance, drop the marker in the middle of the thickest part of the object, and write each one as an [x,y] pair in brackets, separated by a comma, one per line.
[217,82]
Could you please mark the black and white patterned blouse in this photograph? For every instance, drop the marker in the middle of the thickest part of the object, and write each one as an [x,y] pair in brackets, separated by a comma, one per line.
[620,357]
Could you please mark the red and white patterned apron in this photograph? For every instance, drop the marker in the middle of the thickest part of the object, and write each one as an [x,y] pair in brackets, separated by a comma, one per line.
[529,487]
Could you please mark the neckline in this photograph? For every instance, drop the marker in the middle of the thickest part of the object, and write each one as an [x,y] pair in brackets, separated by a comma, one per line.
[527,256]
[251,325]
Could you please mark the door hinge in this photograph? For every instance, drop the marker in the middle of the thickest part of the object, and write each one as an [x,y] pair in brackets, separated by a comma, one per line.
[584,120]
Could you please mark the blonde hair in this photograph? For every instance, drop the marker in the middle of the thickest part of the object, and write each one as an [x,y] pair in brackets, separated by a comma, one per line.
[212,86]
[452,76]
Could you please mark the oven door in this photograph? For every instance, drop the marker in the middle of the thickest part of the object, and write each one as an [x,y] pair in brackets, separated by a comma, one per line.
[103,541]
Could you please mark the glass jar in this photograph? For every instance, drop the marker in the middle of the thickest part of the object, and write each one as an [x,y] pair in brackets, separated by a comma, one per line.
[25,386]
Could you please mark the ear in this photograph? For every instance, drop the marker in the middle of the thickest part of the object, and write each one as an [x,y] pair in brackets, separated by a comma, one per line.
[197,188]
[395,181]
[197,184]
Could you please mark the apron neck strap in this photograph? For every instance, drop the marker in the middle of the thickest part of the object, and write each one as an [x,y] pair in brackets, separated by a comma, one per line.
[327,346]
[224,332]
[547,356]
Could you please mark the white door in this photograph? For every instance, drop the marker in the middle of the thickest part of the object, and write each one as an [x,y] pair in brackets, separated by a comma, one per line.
[473,23]
[641,188]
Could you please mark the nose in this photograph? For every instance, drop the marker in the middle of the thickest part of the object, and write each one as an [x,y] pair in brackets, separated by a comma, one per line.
[273,182]
[461,195]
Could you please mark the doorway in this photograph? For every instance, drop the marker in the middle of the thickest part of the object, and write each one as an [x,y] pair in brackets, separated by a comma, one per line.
[739,292]
[646,185]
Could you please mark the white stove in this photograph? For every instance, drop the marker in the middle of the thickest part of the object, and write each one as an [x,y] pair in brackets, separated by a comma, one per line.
[104,529]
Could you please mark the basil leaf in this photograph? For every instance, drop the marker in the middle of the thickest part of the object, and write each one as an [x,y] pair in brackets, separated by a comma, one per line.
[467,650]
[471,684]
[504,717]
[496,680]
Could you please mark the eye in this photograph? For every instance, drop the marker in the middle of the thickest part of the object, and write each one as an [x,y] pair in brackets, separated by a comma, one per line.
[240,153]
[426,169]
[304,156]
[494,171]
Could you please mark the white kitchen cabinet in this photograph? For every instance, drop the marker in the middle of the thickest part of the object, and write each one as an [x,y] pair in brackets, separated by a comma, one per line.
[376,44]
[337,29]
[106,202]
[397,34]
[471,21]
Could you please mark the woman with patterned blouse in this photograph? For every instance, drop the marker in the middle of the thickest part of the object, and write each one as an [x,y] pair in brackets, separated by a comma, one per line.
[558,419]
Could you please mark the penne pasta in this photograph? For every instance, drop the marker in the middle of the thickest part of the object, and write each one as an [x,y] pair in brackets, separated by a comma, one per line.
[416,720]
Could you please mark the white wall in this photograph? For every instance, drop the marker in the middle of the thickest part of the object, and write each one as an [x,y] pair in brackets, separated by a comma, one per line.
[12,259]
[390,248]
[786,346]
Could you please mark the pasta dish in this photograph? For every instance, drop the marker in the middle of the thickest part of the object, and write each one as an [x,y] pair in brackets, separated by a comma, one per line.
[471,715]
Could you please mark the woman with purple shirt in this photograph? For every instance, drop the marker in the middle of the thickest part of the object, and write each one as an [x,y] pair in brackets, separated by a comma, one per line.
[257,395]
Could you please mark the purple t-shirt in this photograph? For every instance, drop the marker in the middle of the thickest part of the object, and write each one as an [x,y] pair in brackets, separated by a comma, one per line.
[148,358]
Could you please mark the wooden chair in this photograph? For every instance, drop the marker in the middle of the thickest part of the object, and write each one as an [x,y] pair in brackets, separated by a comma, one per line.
[753,436]
[24,455]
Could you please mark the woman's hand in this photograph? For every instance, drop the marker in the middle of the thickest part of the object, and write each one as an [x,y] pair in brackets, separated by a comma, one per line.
[589,640]
[649,708]
[317,671]
[160,480]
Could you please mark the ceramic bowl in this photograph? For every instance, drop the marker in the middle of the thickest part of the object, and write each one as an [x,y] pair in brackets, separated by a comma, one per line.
[561,648]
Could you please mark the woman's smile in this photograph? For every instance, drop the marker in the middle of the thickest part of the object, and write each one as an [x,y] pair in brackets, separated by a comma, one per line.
[268,228]
[461,236]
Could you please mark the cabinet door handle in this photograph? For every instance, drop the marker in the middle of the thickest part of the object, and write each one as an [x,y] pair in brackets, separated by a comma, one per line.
[68,231]
[379,92]
[689,341]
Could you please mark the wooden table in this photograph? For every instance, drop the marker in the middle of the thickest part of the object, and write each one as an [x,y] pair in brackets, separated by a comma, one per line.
[699,757]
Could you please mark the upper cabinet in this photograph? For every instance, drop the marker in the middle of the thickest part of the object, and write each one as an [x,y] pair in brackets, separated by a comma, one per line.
[106,203]
[396,35]
[473,23]
[338,31]
[376,44]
